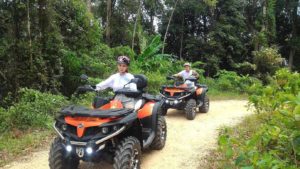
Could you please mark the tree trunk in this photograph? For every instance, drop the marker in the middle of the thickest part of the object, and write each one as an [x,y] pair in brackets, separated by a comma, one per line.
[152,31]
[293,16]
[135,24]
[291,57]
[181,38]
[108,24]
[165,37]
[89,5]
[29,35]
[263,28]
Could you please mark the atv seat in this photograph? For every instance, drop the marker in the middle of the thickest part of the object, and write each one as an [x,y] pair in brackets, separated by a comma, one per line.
[86,112]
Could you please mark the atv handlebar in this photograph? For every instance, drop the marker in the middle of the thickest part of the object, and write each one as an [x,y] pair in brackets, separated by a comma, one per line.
[192,78]
[85,88]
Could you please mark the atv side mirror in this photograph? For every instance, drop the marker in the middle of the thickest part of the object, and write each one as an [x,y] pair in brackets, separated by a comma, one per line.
[84,77]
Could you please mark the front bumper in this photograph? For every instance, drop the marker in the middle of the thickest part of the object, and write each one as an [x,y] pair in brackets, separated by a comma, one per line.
[84,150]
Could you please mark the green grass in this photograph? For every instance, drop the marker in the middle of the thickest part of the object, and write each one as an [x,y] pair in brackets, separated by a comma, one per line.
[226,95]
[216,159]
[16,144]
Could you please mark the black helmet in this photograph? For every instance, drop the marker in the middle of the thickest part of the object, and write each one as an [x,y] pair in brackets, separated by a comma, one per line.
[123,60]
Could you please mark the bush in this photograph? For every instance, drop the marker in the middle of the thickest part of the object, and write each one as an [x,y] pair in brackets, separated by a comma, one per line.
[267,61]
[231,81]
[276,142]
[34,109]
[123,50]
[155,81]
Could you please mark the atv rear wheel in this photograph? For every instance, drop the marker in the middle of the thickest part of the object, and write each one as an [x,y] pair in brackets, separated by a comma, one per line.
[160,134]
[58,159]
[190,109]
[205,107]
[128,154]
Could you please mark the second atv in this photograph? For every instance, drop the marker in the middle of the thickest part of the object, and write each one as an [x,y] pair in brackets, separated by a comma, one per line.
[188,96]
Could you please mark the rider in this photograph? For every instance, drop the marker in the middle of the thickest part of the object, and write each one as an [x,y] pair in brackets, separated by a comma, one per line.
[187,72]
[120,80]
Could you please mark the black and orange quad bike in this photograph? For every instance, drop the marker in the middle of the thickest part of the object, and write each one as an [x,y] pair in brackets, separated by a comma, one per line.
[109,131]
[188,96]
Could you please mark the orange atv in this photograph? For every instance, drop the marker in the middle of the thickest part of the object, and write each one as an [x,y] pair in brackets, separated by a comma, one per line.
[188,96]
[110,131]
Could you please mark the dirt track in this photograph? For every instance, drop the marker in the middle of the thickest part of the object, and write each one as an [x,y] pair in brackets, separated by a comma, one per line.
[187,141]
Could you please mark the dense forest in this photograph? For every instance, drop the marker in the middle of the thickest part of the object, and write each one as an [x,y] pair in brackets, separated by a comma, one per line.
[46,45]
[240,48]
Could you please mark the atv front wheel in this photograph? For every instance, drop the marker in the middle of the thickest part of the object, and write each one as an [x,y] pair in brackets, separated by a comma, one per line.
[128,154]
[163,111]
[58,159]
[160,134]
[205,107]
[190,109]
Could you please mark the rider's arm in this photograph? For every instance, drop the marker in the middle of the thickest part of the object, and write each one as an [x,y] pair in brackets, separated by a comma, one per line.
[106,83]
[178,74]
[195,74]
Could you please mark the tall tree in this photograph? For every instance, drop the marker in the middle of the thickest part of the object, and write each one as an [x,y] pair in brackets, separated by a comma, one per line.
[170,19]
[108,21]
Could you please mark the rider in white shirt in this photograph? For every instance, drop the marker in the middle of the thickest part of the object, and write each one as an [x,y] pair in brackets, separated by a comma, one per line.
[187,73]
[118,80]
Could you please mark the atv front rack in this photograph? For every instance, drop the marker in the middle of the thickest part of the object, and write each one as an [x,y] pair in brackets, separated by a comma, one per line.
[86,112]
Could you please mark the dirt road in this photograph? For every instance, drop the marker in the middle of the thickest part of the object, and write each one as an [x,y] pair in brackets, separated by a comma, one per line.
[187,141]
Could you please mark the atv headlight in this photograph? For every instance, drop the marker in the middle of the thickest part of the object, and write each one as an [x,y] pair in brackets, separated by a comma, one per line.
[104,130]
[115,128]
[89,150]
[69,148]
[64,127]
[176,102]
[167,101]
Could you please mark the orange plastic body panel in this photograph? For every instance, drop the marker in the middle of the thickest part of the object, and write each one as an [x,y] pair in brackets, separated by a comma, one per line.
[114,104]
[199,91]
[85,122]
[146,110]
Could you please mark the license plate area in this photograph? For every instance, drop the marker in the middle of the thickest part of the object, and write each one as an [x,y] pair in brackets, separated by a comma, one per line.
[80,151]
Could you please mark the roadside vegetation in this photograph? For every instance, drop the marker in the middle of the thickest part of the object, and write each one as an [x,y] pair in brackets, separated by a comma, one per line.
[271,137]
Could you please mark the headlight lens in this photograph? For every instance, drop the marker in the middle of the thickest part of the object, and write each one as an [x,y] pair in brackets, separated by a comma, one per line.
[69,148]
[89,150]
[115,127]
[64,127]
[176,102]
[104,130]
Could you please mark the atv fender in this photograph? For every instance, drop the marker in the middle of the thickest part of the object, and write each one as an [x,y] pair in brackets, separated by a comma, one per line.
[202,94]
[149,122]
